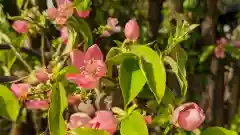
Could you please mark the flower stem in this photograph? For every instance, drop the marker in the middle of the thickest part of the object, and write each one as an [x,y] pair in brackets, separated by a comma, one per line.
[42,50]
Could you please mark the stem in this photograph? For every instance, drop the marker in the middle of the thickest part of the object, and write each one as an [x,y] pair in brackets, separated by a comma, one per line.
[6,71]
[20,58]
[17,122]
[167,129]
[42,50]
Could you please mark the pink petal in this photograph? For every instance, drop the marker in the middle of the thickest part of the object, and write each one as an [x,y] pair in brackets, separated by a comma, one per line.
[148,119]
[37,104]
[20,26]
[78,120]
[42,75]
[106,34]
[112,22]
[84,14]
[94,52]
[74,99]
[101,68]
[20,90]
[116,29]
[131,30]
[60,2]
[83,81]
[52,13]
[64,34]
[237,44]
[106,121]
[77,58]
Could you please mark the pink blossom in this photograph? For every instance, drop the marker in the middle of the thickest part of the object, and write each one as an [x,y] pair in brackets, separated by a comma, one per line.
[188,116]
[84,13]
[64,34]
[37,104]
[78,120]
[74,99]
[112,27]
[237,44]
[62,13]
[42,75]
[105,120]
[131,30]
[20,90]
[91,67]
[148,119]
[20,26]
[219,51]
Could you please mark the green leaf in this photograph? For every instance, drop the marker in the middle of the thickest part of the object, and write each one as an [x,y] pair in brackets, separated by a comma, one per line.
[58,104]
[134,125]
[20,3]
[168,97]
[218,131]
[131,80]
[113,52]
[9,105]
[179,55]
[118,43]
[81,26]
[235,52]
[82,4]
[118,59]
[206,52]
[88,131]
[71,42]
[153,69]
[68,69]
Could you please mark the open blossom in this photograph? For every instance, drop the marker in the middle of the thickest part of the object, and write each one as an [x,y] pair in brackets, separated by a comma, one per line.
[20,90]
[105,120]
[112,27]
[90,65]
[78,120]
[20,26]
[131,30]
[64,34]
[62,13]
[188,116]
[37,104]
[84,13]
[42,75]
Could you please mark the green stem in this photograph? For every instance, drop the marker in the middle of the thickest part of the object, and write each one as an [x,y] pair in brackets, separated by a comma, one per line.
[17,122]
[167,129]
[20,58]
[6,71]
[42,50]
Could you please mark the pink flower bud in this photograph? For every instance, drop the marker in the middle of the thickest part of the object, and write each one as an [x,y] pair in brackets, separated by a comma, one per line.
[37,104]
[148,119]
[20,90]
[20,26]
[42,75]
[64,34]
[85,13]
[105,120]
[74,99]
[131,30]
[188,116]
[78,120]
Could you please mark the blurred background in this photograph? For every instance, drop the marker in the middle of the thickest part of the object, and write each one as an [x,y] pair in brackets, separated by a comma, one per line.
[214,83]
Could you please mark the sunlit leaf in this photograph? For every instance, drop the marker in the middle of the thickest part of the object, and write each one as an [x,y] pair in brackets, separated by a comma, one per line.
[218,131]
[88,131]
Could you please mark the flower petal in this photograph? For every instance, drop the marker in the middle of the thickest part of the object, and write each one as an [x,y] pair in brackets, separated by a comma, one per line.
[52,13]
[83,81]
[117,29]
[37,104]
[20,90]
[77,58]
[112,22]
[94,52]
[78,120]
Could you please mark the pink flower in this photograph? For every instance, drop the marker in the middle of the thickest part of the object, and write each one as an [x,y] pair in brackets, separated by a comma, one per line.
[84,13]
[237,44]
[42,75]
[62,13]
[37,104]
[188,116]
[74,99]
[78,120]
[112,27]
[20,90]
[20,26]
[148,119]
[64,34]
[105,120]
[91,67]
[131,30]
[219,51]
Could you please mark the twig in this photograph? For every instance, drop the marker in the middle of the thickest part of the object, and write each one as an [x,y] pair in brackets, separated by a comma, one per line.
[42,50]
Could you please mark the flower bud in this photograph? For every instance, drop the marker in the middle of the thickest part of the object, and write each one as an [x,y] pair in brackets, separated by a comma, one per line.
[74,99]
[37,104]
[105,120]
[20,90]
[78,120]
[148,119]
[84,13]
[131,30]
[20,26]
[188,116]
[64,34]
[41,75]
